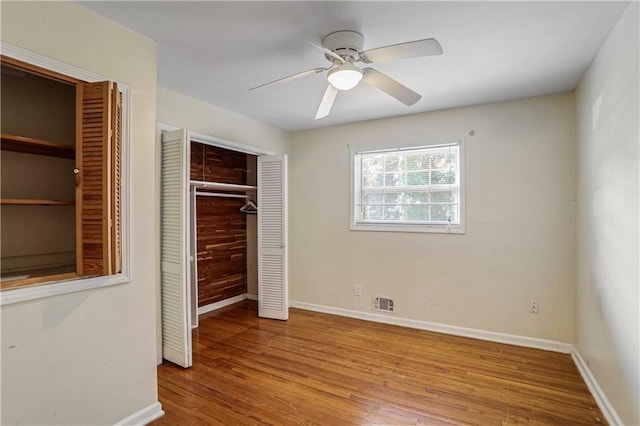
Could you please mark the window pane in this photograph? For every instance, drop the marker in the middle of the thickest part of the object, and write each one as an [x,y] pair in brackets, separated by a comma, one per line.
[394,197]
[394,213]
[394,179]
[440,177]
[393,162]
[440,212]
[417,213]
[436,160]
[372,213]
[417,161]
[417,178]
[453,210]
[442,158]
[387,179]
[369,181]
[372,198]
[416,197]
[443,197]
[372,164]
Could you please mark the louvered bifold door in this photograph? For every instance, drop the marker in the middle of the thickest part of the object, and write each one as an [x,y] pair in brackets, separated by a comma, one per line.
[273,286]
[93,178]
[116,138]
[174,270]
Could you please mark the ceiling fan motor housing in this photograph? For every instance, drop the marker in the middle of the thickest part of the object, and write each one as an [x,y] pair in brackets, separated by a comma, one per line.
[347,44]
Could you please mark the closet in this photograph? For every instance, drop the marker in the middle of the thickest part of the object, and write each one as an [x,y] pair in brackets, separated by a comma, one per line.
[220,221]
[60,183]
[223,226]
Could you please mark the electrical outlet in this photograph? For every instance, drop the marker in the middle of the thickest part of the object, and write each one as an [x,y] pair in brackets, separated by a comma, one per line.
[357,290]
[533,307]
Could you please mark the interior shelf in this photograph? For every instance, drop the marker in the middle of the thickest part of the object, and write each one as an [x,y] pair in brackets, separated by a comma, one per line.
[222,186]
[37,146]
[35,202]
[37,276]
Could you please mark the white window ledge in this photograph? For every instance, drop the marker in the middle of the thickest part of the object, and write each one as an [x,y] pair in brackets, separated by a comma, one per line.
[40,291]
[392,227]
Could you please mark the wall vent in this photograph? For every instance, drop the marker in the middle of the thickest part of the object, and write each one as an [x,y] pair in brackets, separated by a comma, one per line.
[383,304]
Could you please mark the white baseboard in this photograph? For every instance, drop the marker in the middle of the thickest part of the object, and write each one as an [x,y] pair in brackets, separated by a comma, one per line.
[221,304]
[252,296]
[610,414]
[511,339]
[144,416]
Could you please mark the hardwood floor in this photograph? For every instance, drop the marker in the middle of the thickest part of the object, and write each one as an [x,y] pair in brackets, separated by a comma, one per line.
[329,370]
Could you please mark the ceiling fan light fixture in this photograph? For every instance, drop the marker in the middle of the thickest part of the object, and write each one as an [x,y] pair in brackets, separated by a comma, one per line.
[345,77]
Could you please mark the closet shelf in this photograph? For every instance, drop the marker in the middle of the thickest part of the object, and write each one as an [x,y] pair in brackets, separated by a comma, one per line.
[221,186]
[37,146]
[36,202]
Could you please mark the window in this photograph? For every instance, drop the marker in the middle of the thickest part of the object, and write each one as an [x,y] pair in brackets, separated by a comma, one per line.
[418,189]
[64,195]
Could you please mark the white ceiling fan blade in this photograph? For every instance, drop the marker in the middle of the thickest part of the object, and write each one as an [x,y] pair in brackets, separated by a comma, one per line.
[291,77]
[411,49]
[325,50]
[327,102]
[390,86]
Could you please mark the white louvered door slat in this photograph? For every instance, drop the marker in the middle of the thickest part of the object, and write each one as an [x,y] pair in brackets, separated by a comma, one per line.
[273,286]
[174,275]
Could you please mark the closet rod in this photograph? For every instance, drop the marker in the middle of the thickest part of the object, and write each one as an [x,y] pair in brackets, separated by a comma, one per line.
[221,194]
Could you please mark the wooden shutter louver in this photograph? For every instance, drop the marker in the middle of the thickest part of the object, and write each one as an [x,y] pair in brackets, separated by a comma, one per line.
[97,160]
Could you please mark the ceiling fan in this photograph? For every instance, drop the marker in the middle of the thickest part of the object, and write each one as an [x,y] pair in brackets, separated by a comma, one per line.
[343,49]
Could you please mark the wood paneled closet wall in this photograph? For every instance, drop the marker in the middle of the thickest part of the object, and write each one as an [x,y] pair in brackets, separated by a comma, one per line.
[221,228]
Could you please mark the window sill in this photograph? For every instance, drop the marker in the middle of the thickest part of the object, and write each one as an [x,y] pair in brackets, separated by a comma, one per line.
[385,227]
[40,291]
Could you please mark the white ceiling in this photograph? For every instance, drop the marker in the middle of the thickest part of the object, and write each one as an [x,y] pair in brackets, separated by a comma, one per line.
[493,51]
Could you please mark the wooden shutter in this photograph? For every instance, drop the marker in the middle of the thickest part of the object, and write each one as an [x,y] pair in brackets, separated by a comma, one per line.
[174,267]
[116,123]
[273,286]
[97,170]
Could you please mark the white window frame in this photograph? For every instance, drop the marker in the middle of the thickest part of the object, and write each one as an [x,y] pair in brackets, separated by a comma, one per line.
[407,227]
[48,289]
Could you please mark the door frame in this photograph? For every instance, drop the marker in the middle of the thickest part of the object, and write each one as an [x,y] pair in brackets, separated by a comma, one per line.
[207,140]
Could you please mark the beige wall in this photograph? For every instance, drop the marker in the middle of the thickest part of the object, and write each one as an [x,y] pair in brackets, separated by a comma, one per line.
[518,244]
[189,113]
[89,357]
[607,291]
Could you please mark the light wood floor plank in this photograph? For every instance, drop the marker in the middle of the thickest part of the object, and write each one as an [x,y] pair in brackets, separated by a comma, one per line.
[328,370]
